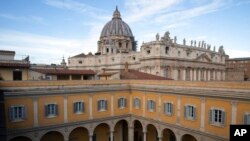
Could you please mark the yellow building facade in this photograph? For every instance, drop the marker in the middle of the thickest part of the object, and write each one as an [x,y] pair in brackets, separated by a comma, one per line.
[131,110]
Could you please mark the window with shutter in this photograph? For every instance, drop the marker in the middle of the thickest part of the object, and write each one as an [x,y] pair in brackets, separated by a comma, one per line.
[151,105]
[168,108]
[137,103]
[51,110]
[190,112]
[247,119]
[217,117]
[17,113]
[102,105]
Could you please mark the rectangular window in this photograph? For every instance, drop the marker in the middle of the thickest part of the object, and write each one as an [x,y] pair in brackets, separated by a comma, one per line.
[151,105]
[166,50]
[137,103]
[17,113]
[102,105]
[79,107]
[190,112]
[217,117]
[247,119]
[51,110]
[168,108]
[122,103]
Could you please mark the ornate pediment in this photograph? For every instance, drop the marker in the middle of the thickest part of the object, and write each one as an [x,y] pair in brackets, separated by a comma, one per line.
[203,58]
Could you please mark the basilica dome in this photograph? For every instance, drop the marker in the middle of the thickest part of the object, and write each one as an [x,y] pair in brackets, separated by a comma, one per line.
[116,27]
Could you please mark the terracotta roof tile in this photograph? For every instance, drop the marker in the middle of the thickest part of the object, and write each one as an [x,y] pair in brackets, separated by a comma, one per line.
[134,74]
[14,65]
[64,71]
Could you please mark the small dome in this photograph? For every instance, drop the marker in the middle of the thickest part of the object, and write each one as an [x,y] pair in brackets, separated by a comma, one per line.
[116,27]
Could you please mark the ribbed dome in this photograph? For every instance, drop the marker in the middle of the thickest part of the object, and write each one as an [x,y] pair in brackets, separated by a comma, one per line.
[116,27]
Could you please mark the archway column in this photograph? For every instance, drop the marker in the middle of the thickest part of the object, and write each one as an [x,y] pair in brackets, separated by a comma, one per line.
[111,135]
[144,135]
[131,133]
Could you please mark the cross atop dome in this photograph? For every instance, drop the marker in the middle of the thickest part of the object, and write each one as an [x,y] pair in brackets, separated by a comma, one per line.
[116,14]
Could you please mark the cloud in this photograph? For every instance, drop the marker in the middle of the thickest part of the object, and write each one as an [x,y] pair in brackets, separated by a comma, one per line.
[233,53]
[31,18]
[77,7]
[46,49]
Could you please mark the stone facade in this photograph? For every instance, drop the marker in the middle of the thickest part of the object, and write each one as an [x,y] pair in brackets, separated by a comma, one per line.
[238,69]
[162,57]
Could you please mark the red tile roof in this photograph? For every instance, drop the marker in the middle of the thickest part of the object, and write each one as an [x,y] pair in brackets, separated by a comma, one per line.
[64,71]
[134,74]
[14,65]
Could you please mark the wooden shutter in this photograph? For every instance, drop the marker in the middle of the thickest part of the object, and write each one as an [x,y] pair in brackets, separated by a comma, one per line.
[139,103]
[245,118]
[83,107]
[148,104]
[24,113]
[172,109]
[106,104]
[223,118]
[74,107]
[211,116]
[46,110]
[125,102]
[119,102]
[98,105]
[11,115]
[165,108]
[194,112]
[185,111]
[56,109]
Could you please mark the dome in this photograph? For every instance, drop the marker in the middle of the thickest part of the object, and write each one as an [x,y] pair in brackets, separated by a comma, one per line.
[116,27]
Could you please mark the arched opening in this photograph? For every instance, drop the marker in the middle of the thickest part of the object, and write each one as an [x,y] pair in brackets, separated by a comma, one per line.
[138,134]
[152,133]
[21,138]
[79,134]
[179,74]
[101,132]
[53,136]
[121,131]
[188,137]
[168,135]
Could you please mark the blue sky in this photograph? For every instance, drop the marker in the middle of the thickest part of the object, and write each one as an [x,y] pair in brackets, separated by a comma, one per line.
[47,30]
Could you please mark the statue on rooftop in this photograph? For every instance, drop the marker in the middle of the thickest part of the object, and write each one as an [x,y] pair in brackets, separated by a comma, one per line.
[157,37]
[194,43]
[175,39]
[221,50]
[184,41]
[191,42]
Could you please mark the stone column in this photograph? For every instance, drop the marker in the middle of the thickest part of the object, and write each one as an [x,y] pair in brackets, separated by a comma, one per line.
[81,77]
[205,74]
[208,75]
[70,77]
[144,135]
[199,75]
[234,111]
[159,138]
[111,135]
[203,112]
[184,74]
[112,105]
[175,74]
[178,110]
[191,74]
[131,133]
[90,137]
[35,112]
[90,107]
[143,105]
[65,105]
[159,107]
[195,79]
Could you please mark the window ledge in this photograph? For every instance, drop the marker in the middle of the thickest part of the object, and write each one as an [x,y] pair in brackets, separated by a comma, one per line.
[151,110]
[17,120]
[51,116]
[218,125]
[122,107]
[78,113]
[102,110]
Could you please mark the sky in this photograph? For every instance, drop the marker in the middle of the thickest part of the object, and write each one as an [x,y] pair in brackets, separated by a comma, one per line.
[48,30]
